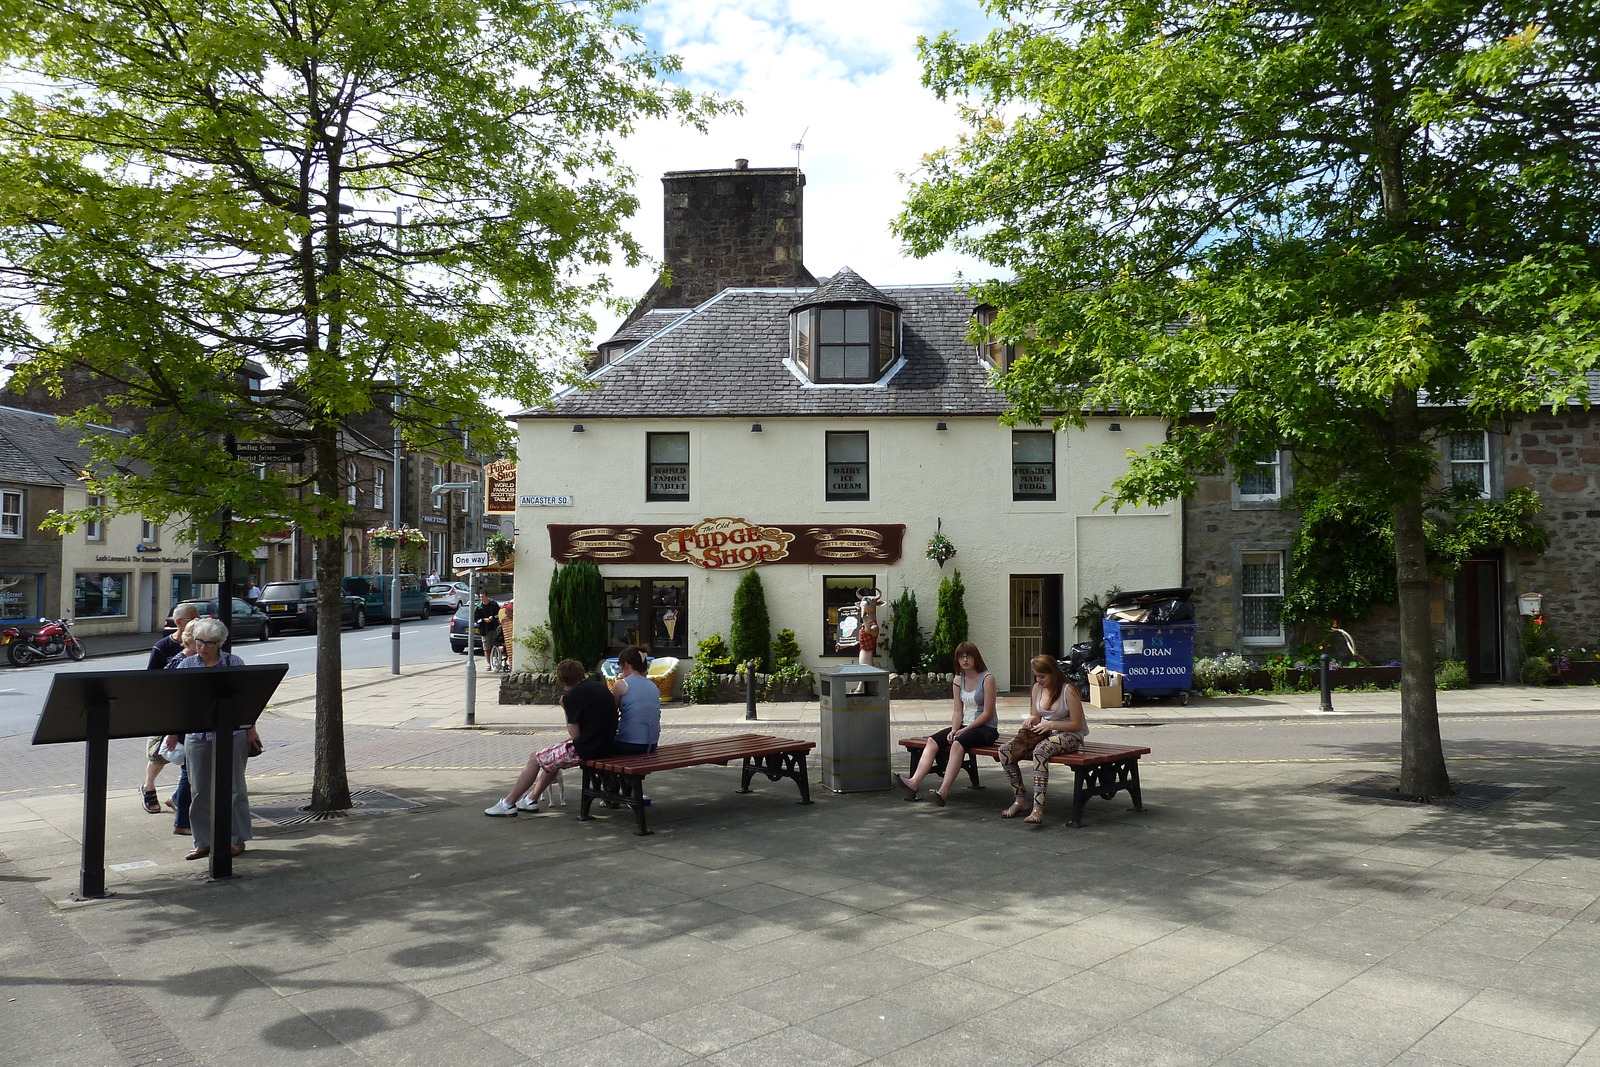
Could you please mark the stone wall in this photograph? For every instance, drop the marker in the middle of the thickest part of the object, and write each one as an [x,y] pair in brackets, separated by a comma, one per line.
[1216,529]
[1558,456]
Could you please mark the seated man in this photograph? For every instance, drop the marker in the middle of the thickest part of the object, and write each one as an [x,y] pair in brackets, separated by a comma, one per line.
[591,725]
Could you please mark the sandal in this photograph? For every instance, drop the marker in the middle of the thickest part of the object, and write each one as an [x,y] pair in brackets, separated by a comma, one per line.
[200,853]
[937,798]
[905,787]
[1035,817]
[1013,811]
[152,803]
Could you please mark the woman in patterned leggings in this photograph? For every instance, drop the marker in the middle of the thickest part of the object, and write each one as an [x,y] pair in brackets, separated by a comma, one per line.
[1056,726]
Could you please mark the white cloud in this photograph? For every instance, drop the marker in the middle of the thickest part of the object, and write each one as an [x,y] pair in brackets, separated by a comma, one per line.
[845,74]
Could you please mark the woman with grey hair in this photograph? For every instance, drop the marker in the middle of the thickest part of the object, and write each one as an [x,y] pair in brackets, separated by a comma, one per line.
[209,635]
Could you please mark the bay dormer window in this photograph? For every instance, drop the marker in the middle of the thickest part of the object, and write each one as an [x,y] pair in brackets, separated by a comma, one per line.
[845,332]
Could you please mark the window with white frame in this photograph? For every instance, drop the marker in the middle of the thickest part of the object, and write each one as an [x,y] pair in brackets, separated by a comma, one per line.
[149,532]
[10,513]
[992,350]
[851,343]
[378,487]
[1262,479]
[666,466]
[350,482]
[94,529]
[1261,592]
[1469,460]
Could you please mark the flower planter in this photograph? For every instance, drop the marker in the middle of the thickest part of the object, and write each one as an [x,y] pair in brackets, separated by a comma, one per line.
[1310,680]
[1580,672]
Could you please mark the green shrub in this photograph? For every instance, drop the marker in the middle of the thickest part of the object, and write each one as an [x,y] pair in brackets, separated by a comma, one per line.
[1227,671]
[1451,674]
[712,654]
[950,627]
[785,649]
[905,634]
[700,685]
[751,632]
[1535,670]
[578,613]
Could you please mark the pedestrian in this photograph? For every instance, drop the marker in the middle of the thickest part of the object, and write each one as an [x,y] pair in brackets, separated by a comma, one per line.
[161,653]
[502,636]
[1056,726]
[638,704]
[974,722]
[253,592]
[591,726]
[485,620]
[198,755]
[178,802]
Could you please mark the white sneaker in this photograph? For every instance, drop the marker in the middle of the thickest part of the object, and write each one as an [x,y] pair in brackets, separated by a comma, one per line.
[502,809]
[525,804]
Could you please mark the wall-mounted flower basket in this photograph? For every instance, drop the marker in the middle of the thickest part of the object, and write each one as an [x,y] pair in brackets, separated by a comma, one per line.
[940,548]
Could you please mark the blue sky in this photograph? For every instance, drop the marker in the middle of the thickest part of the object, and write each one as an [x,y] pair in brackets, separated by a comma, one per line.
[844,73]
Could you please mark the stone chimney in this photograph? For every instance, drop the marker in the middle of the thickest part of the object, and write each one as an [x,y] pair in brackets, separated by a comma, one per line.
[729,228]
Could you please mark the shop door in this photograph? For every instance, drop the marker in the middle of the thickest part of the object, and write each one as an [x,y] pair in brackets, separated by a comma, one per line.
[1478,618]
[1035,623]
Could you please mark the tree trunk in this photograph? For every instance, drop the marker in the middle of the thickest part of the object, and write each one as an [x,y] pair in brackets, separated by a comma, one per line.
[330,783]
[1422,768]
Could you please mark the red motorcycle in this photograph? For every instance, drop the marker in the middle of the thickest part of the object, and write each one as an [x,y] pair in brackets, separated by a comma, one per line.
[49,641]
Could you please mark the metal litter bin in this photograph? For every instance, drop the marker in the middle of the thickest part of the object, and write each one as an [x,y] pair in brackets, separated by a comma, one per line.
[1156,659]
[854,700]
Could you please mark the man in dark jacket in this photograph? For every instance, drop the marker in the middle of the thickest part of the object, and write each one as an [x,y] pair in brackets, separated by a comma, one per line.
[485,620]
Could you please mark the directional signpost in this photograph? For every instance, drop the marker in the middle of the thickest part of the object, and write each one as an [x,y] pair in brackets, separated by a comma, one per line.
[471,562]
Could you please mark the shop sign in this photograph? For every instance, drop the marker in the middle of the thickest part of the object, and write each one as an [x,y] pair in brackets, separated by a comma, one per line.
[724,544]
[728,543]
[500,487]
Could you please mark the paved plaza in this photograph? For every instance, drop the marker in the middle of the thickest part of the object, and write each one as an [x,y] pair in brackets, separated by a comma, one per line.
[1251,915]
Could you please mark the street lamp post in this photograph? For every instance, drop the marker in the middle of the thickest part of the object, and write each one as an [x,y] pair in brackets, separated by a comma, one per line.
[472,599]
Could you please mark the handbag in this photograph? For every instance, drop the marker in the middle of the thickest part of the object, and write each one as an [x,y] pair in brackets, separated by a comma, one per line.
[1022,744]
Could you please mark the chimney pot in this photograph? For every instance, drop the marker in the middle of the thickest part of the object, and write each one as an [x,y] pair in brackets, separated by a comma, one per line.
[741,164]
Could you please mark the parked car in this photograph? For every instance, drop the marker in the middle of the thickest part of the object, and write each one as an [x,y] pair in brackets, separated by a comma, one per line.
[461,627]
[448,596]
[374,588]
[294,604]
[248,622]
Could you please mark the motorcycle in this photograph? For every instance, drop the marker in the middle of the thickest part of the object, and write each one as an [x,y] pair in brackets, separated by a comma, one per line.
[49,641]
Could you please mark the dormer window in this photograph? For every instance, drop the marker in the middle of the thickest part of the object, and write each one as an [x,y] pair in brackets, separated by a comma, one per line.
[846,332]
[991,349]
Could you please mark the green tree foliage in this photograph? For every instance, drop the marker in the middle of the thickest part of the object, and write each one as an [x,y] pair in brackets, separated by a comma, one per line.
[195,194]
[950,624]
[750,635]
[1344,229]
[905,633]
[785,650]
[577,603]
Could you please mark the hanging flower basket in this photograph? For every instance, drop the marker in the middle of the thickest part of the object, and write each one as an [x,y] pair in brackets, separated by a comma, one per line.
[500,547]
[940,548]
[389,537]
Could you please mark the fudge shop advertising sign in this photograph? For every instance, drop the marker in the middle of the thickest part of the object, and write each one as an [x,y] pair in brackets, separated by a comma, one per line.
[725,543]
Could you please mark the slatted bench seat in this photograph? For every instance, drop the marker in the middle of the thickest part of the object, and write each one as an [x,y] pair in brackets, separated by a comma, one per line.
[619,780]
[1098,770]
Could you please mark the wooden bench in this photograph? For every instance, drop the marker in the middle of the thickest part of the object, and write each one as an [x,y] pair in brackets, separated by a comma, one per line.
[1098,770]
[619,780]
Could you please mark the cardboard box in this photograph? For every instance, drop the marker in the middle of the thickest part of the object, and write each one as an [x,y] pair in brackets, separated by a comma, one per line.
[1106,696]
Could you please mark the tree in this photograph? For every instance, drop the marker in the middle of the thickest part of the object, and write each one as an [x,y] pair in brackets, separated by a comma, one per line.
[949,623]
[1345,229]
[577,604]
[750,635]
[905,642]
[187,205]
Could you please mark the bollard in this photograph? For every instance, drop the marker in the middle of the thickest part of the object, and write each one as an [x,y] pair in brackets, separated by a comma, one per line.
[750,691]
[1327,687]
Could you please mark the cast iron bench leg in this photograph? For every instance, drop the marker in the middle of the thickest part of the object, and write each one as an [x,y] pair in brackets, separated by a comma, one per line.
[1080,795]
[593,787]
[631,788]
[779,765]
[1133,785]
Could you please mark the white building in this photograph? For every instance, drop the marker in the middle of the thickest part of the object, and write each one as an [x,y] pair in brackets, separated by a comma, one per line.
[823,433]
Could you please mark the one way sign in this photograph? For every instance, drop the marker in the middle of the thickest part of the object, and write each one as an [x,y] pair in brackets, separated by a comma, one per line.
[469,561]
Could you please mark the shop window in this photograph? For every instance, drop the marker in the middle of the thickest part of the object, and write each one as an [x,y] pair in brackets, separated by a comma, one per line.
[847,466]
[95,529]
[840,592]
[666,466]
[1033,465]
[651,612]
[99,596]
[1261,589]
[21,596]
[1262,479]
[1469,460]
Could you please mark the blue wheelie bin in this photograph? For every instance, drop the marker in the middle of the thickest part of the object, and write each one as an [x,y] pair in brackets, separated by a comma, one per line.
[1155,659]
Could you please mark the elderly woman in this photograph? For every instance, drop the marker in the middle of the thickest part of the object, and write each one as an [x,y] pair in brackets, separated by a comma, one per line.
[209,636]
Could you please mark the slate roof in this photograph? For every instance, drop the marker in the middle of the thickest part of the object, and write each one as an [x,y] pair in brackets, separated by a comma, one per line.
[648,323]
[37,450]
[728,358]
[845,287]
